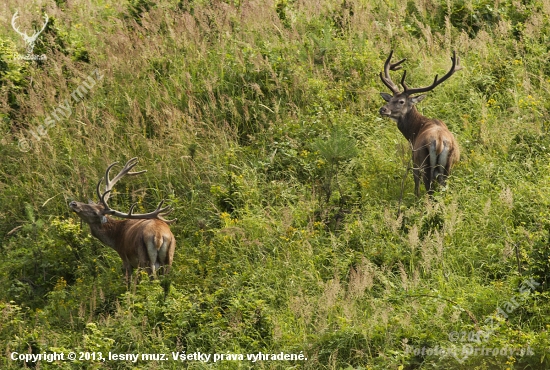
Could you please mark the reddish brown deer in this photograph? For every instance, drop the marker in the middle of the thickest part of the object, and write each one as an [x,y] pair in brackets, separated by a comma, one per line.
[434,148]
[142,240]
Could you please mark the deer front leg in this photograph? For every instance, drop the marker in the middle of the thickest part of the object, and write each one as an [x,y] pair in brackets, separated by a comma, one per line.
[128,270]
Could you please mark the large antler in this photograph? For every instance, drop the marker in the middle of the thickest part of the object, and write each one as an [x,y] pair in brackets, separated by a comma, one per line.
[29,39]
[455,67]
[386,76]
[103,198]
[110,183]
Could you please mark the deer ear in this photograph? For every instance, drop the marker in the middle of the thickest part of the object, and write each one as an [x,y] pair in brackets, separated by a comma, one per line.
[417,99]
[386,96]
[101,216]
[90,201]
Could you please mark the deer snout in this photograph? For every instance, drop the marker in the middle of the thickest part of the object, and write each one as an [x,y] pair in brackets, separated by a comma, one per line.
[384,111]
[73,205]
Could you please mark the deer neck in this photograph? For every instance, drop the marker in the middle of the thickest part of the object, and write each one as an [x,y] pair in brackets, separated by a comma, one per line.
[107,232]
[411,124]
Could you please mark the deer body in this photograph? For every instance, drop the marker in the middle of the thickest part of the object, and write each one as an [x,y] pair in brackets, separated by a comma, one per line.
[434,148]
[141,240]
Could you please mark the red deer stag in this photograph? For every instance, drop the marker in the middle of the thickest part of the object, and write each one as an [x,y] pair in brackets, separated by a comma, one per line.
[142,240]
[434,148]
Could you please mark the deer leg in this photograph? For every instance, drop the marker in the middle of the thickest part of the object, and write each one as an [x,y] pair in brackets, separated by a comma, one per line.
[152,252]
[427,181]
[442,164]
[170,255]
[163,255]
[416,175]
[127,271]
[432,171]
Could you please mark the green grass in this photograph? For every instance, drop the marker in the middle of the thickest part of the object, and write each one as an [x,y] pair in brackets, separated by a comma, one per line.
[297,231]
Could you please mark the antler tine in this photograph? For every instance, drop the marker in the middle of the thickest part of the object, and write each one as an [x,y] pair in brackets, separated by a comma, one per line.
[99,196]
[385,77]
[125,170]
[103,198]
[156,214]
[454,67]
[13,19]
[405,88]
[110,183]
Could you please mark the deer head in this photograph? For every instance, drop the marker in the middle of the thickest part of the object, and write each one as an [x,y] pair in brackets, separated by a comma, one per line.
[401,103]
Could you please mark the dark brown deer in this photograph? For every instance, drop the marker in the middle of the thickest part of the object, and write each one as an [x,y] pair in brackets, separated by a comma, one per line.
[142,240]
[434,148]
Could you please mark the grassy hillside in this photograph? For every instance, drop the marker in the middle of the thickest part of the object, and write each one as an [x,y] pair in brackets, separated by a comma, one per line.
[298,230]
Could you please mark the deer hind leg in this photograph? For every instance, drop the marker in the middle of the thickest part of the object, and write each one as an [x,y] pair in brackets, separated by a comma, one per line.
[152,252]
[420,157]
[163,260]
[442,165]
[430,176]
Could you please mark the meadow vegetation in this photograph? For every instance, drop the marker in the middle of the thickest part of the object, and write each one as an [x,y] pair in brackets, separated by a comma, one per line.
[298,229]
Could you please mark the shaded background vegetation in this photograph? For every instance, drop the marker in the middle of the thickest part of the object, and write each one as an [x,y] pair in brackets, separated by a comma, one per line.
[257,121]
